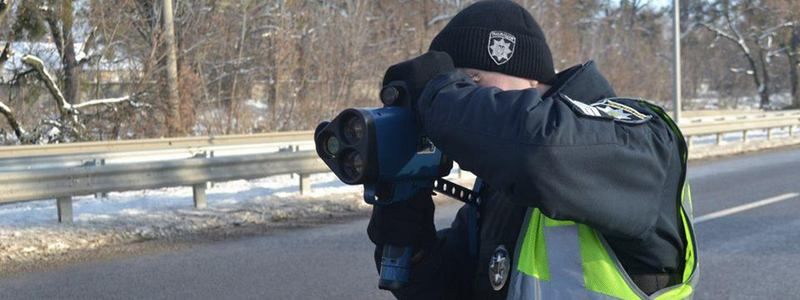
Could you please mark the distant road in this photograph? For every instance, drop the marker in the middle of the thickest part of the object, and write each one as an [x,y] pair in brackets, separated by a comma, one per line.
[749,240]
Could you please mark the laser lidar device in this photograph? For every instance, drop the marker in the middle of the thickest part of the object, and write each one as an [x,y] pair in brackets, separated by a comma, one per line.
[385,150]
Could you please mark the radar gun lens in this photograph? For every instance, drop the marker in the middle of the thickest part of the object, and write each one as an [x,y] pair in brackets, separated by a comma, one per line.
[332,145]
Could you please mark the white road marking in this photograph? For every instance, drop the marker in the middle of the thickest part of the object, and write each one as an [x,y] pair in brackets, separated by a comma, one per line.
[741,208]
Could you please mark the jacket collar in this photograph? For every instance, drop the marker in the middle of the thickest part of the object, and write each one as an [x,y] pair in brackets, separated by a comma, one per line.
[582,83]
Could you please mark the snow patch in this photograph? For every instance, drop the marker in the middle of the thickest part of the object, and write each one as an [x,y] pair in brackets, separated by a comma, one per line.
[30,230]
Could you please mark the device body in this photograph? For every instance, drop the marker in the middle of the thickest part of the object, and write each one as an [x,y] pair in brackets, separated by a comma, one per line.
[384,150]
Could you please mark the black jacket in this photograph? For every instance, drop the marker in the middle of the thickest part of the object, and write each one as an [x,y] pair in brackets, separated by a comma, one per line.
[546,151]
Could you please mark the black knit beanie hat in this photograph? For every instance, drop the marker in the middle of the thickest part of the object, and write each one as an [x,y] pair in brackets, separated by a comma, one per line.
[498,36]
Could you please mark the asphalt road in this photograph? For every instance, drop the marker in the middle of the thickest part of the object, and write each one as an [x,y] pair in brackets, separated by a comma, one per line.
[749,240]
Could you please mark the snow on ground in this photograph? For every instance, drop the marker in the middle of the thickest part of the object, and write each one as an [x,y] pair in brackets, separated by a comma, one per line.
[30,230]
[711,100]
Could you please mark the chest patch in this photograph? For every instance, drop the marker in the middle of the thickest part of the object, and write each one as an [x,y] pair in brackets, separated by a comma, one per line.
[499,265]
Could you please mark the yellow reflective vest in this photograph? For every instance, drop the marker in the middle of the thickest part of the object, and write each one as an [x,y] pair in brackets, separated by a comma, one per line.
[567,260]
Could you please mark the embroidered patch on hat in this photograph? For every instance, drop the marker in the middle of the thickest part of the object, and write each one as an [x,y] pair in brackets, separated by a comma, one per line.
[499,265]
[501,46]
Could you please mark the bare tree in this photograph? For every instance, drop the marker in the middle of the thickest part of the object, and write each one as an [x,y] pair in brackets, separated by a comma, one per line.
[242,66]
[68,126]
[749,26]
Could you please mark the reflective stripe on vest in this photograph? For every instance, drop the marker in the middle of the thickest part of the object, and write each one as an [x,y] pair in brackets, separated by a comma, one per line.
[567,260]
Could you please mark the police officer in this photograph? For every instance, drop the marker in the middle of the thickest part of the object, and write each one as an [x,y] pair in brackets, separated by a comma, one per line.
[583,194]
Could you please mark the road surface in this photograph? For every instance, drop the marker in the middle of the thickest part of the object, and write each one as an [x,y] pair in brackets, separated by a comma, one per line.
[749,238]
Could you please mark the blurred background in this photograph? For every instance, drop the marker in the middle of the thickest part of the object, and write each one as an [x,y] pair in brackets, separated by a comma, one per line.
[247,66]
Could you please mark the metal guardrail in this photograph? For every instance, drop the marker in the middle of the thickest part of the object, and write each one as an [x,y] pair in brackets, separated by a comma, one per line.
[740,117]
[152,144]
[789,121]
[15,158]
[62,183]
[83,159]
[44,184]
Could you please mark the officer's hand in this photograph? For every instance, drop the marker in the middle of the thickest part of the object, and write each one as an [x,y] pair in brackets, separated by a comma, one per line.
[407,223]
[416,73]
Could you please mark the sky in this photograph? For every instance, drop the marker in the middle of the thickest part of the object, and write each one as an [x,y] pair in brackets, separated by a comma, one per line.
[661,3]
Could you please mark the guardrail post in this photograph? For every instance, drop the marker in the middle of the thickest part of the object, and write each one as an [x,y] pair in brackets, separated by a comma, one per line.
[792,128]
[719,138]
[305,184]
[689,141]
[210,154]
[744,136]
[199,195]
[295,148]
[98,163]
[769,134]
[290,148]
[199,189]
[64,205]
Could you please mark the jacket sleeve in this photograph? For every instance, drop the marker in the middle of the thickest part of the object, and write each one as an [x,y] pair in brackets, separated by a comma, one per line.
[445,271]
[544,153]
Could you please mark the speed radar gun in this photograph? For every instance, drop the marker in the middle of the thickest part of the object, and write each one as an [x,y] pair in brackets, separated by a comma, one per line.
[384,150]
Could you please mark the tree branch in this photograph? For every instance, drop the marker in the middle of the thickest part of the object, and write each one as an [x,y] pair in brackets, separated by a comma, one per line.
[69,115]
[12,121]
[87,48]
[771,31]
[102,101]
[18,76]
[6,54]
[36,63]
[736,39]
[52,23]
[4,5]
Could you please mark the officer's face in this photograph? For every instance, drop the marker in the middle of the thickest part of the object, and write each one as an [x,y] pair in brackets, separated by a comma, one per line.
[502,81]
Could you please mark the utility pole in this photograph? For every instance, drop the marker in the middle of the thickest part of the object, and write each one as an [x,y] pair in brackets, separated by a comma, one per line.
[676,100]
[174,124]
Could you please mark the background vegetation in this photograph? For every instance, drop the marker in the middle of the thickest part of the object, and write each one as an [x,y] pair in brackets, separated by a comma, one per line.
[246,66]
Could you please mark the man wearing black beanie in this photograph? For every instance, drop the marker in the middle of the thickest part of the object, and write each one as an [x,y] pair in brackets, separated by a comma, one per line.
[582,194]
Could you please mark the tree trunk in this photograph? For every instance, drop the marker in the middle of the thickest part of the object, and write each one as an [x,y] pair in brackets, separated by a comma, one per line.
[793,80]
[272,101]
[300,71]
[233,106]
[173,98]
[273,63]
[72,78]
[763,89]
[794,65]
[760,86]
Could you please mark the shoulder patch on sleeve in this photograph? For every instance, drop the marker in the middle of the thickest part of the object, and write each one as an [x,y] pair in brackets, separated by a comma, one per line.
[621,112]
[585,109]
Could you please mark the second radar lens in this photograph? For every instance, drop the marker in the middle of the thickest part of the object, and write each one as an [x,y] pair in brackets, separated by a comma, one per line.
[353,165]
[354,130]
